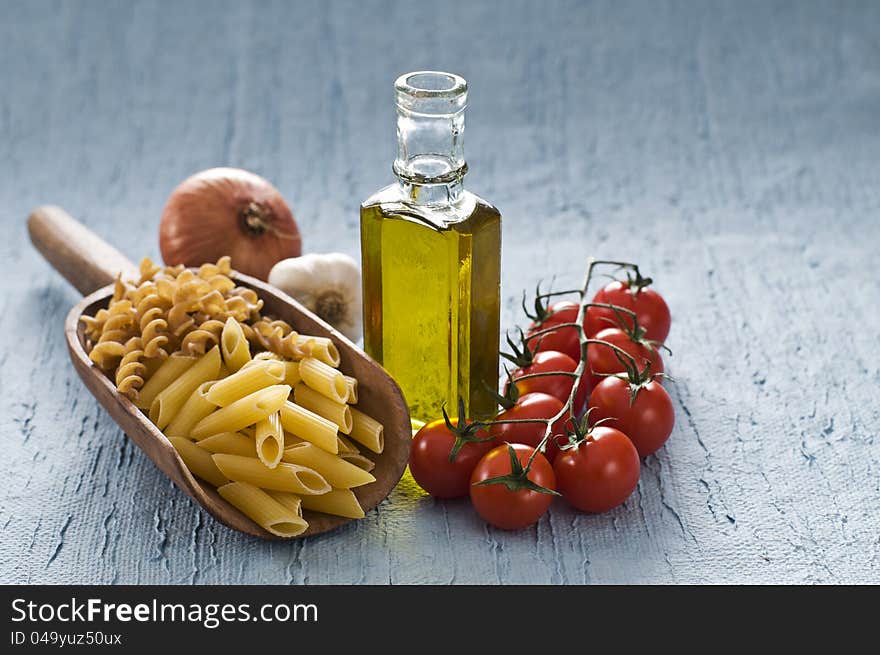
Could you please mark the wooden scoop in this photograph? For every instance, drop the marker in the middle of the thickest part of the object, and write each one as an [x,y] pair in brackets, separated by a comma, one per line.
[91,265]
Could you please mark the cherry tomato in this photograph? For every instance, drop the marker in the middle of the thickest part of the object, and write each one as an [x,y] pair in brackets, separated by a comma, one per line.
[503,508]
[602,359]
[650,308]
[555,385]
[600,473]
[565,340]
[647,422]
[531,405]
[429,460]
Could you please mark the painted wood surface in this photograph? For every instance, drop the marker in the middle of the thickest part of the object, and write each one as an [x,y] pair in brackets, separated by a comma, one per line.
[733,149]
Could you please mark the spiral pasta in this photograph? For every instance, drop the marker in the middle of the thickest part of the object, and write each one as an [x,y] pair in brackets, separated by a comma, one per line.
[276,336]
[175,309]
[198,341]
[131,370]
[116,330]
[95,324]
[150,311]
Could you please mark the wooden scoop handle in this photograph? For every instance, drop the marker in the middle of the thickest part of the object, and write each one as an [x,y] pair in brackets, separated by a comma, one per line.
[81,256]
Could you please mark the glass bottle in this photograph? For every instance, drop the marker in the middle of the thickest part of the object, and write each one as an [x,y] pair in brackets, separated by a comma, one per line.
[431,256]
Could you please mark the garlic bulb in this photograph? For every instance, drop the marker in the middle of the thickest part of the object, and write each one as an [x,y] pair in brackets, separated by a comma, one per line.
[327,284]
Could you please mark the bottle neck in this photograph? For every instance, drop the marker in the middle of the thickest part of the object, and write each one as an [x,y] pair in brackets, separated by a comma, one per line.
[430,165]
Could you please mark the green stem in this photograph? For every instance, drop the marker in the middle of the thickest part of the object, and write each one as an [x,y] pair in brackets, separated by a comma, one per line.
[578,373]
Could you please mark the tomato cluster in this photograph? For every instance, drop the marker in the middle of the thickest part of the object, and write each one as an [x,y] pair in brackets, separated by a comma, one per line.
[591,457]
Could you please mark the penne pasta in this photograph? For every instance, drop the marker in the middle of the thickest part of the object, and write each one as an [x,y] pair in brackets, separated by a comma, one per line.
[336,471]
[151,366]
[246,381]
[352,385]
[249,410]
[194,410]
[344,445]
[170,369]
[270,440]
[339,502]
[231,443]
[359,459]
[198,461]
[291,372]
[234,345]
[308,426]
[284,477]
[168,403]
[264,355]
[331,410]
[324,379]
[367,431]
[350,453]
[281,519]
[291,501]
[291,368]
[320,348]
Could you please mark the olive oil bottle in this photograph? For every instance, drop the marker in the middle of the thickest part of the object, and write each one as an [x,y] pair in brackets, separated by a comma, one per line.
[431,256]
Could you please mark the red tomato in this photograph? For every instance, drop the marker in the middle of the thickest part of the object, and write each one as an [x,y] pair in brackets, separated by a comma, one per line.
[602,359]
[429,460]
[563,311]
[650,308]
[600,473]
[498,505]
[565,340]
[531,405]
[555,385]
[647,422]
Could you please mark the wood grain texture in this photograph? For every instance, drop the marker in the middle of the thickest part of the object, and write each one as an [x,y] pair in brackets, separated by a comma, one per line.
[78,254]
[731,148]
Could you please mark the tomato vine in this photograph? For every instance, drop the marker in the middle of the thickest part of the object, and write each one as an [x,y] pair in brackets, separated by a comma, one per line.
[523,355]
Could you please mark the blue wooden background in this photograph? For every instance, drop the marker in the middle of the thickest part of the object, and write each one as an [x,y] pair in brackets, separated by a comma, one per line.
[732,148]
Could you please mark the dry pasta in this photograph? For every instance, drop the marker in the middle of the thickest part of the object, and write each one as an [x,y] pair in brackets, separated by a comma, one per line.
[324,379]
[331,410]
[284,477]
[168,403]
[198,461]
[367,431]
[282,520]
[249,410]
[231,443]
[168,371]
[309,426]
[352,384]
[196,407]
[131,370]
[340,502]
[350,453]
[291,501]
[270,440]
[256,376]
[320,348]
[193,351]
[335,470]
[234,345]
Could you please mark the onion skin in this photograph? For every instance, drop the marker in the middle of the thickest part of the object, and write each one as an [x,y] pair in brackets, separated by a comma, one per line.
[228,211]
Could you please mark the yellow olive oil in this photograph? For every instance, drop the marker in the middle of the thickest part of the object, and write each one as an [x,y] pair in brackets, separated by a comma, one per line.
[432,301]
[431,259]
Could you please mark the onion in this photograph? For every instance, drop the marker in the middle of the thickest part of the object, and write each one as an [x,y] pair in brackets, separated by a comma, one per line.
[228,211]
